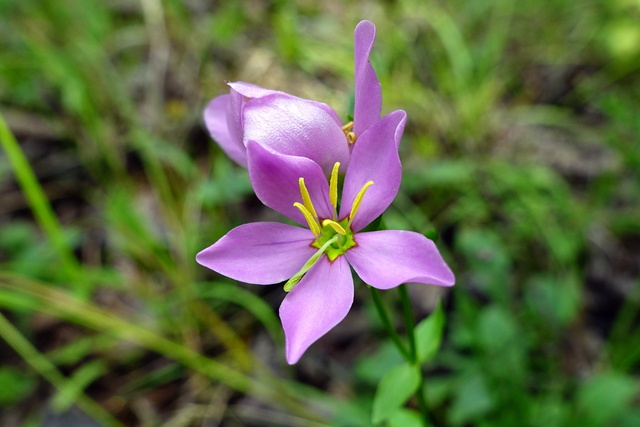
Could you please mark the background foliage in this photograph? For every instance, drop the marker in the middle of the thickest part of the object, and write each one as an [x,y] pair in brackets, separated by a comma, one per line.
[522,152]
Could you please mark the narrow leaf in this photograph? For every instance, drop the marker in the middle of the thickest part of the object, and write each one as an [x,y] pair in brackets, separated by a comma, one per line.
[429,334]
[395,388]
[75,386]
[406,418]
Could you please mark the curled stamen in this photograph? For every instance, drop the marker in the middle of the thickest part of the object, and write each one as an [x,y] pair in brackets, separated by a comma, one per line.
[347,127]
[313,225]
[351,135]
[337,227]
[358,200]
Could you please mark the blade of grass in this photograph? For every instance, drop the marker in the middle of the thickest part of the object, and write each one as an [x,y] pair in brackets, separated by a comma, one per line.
[41,208]
[56,303]
[44,367]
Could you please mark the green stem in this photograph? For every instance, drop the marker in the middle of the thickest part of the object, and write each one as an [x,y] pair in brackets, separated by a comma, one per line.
[386,322]
[409,322]
[407,313]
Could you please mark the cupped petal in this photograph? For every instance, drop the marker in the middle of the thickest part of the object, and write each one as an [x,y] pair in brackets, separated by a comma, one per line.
[374,158]
[387,258]
[251,91]
[275,176]
[368,93]
[223,131]
[315,305]
[260,252]
[295,127]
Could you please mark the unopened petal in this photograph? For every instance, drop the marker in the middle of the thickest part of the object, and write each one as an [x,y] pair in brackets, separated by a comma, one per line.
[261,252]
[295,127]
[251,91]
[275,180]
[374,158]
[216,119]
[385,259]
[368,93]
[318,303]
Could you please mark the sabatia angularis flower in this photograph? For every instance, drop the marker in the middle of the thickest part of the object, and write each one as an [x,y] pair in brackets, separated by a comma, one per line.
[315,260]
[281,121]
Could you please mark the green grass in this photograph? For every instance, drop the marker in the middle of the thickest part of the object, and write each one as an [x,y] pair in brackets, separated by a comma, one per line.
[521,151]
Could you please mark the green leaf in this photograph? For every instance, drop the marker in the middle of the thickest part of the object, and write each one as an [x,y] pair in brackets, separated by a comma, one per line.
[406,418]
[605,396]
[472,401]
[428,334]
[395,388]
[15,385]
[371,367]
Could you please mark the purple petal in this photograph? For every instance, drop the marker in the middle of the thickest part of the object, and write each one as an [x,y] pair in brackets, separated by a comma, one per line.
[216,119]
[318,303]
[252,91]
[240,94]
[249,90]
[374,158]
[295,127]
[385,259]
[368,93]
[275,176]
[261,252]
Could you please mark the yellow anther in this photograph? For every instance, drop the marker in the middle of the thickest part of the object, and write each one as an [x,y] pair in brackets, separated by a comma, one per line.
[313,225]
[337,227]
[306,199]
[333,186]
[347,127]
[351,135]
[358,200]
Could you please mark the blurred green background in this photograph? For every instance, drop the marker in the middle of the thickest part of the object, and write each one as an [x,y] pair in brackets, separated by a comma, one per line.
[522,152]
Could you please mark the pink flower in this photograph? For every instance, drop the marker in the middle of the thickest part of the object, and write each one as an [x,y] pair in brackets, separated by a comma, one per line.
[281,121]
[315,260]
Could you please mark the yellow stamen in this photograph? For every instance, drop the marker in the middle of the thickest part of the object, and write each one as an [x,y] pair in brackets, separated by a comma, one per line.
[358,200]
[347,127]
[333,187]
[306,199]
[313,225]
[337,227]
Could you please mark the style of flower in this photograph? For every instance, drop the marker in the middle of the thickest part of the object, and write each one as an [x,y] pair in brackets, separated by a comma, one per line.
[281,121]
[315,260]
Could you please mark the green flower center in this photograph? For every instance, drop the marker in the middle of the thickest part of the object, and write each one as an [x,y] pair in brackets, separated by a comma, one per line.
[339,243]
[332,237]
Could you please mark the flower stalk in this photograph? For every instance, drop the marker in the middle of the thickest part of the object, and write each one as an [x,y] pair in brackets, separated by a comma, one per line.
[409,352]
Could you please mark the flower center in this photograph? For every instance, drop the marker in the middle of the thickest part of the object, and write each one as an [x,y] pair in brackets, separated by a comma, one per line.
[332,237]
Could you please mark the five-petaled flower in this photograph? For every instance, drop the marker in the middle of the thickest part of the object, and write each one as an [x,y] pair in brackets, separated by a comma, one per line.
[315,260]
[281,121]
